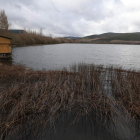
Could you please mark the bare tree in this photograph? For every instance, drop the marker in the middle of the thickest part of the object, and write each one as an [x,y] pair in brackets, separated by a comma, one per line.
[4,25]
[25,31]
[40,32]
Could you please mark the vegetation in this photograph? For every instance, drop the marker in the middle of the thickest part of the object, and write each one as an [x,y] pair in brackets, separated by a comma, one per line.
[30,39]
[31,100]
[4,25]
[67,40]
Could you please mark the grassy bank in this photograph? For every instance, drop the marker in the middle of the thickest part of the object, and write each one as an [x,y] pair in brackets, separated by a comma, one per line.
[30,99]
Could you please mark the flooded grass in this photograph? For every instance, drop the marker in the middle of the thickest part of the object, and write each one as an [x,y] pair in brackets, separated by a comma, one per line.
[37,102]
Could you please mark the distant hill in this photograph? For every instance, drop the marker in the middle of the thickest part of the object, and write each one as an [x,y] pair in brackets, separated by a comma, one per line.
[72,37]
[124,36]
[110,34]
[107,37]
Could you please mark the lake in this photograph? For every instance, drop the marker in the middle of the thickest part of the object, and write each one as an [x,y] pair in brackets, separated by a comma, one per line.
[51,57]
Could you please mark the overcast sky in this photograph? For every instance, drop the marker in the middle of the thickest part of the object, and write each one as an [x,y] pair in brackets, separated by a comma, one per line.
[73,17]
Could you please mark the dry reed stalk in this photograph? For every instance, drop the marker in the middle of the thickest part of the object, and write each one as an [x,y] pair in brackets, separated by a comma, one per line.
[36,98]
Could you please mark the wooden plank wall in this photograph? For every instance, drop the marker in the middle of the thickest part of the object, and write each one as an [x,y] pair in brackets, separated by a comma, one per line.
[5,45]
[4,40]
[5,48]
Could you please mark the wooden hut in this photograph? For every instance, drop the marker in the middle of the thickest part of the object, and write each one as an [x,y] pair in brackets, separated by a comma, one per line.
[5,47]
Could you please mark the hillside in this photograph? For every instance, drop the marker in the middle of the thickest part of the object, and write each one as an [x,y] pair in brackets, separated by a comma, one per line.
[112,38]
[125,37]
[110,34]
[72,37]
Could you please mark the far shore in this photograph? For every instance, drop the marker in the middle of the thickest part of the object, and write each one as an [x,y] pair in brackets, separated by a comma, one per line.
[111,42]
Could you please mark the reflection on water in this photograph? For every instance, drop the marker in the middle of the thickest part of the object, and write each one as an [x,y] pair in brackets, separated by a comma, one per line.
[57,56]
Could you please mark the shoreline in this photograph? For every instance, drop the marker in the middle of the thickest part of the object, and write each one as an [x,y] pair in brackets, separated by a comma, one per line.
[79,43]
[121,43]
[35,45]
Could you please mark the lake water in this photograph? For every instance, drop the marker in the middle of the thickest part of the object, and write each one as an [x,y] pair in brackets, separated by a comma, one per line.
[51,57]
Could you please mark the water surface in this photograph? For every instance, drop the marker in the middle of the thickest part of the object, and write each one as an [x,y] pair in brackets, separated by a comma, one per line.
[57,56]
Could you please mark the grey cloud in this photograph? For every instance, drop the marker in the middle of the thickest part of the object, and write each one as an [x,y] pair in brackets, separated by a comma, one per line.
[17,6]
[67,17]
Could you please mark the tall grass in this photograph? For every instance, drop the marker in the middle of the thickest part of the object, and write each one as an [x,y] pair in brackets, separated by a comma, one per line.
[34,99]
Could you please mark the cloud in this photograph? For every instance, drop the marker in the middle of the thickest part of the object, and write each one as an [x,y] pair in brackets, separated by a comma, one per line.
[77,17]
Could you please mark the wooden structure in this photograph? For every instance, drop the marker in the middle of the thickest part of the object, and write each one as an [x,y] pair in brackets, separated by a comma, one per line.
[5,47]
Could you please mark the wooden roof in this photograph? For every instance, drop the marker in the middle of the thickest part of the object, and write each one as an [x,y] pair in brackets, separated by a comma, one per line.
[5,37]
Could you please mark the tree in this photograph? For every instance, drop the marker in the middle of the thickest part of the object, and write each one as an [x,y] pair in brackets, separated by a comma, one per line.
[41,32]
[4,25]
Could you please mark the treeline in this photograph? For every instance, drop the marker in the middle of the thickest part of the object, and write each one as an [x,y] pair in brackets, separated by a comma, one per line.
[29,39]
[26,39]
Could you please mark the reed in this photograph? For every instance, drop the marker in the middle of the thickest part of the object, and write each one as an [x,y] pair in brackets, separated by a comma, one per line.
[32,99]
